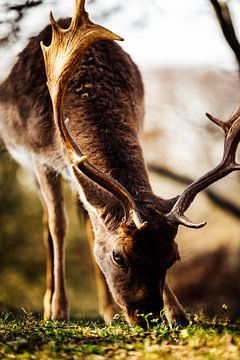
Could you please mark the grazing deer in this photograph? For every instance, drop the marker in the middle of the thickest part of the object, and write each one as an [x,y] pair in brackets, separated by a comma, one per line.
[95,84]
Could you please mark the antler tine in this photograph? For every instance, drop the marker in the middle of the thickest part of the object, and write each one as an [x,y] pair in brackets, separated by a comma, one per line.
[78,14]
[64,53]
[225,125]
[68,45]
[227,165]
[216,121]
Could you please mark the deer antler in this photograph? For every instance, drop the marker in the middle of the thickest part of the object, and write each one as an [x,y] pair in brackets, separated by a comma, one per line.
[231,128]
[61,57]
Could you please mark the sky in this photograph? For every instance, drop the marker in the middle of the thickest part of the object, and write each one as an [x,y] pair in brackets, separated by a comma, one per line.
[156,32]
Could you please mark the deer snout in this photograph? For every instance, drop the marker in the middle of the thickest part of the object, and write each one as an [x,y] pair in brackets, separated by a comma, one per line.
[143,313]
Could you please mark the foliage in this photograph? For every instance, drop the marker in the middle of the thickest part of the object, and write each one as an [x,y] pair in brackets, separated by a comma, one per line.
[27,337]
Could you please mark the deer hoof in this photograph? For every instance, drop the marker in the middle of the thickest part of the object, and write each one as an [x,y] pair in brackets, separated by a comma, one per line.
[180,323]
[108,314]
[47,305]
[60,309]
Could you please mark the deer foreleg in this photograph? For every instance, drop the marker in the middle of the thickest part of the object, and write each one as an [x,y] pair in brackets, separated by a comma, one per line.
[106,305]
[51,189]
[174,311]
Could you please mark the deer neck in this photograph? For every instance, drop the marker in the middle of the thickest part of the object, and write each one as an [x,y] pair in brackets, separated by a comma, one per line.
[121,161]
[113,149]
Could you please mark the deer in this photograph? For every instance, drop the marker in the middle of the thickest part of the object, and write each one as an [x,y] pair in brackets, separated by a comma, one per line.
[76,113]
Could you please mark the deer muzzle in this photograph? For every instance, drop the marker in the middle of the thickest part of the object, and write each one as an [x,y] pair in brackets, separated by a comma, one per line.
[143,314]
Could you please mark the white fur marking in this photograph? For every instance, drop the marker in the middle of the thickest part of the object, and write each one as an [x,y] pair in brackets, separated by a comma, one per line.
[22,156]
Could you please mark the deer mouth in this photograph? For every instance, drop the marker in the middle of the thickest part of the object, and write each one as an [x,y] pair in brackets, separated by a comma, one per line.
[144,314]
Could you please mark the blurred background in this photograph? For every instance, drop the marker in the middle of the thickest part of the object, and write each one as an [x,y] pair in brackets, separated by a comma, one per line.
[190,62]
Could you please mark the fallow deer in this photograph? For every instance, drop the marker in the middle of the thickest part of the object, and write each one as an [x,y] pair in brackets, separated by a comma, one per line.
[95,84]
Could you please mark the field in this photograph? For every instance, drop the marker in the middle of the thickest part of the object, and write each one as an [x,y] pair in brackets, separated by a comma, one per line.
[28,337]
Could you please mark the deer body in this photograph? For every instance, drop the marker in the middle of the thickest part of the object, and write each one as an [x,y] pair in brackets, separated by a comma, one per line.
[104,101]
[98,151]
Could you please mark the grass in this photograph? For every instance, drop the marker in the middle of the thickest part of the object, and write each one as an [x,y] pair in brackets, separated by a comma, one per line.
[28,337]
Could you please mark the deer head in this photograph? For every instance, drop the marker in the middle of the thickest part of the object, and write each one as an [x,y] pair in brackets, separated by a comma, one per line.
[135,251]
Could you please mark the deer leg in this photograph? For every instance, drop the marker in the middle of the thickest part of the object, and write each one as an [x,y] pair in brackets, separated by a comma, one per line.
[51,189]
[174,311]
[106,305]
[47,238]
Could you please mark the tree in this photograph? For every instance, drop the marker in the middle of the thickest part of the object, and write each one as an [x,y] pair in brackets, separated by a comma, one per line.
[12,14]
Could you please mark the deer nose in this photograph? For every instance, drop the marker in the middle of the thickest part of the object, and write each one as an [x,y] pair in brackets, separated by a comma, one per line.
[143,314]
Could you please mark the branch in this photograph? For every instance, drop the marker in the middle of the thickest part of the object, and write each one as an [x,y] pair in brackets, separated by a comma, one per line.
[225,20]
[20,10]
[215,198]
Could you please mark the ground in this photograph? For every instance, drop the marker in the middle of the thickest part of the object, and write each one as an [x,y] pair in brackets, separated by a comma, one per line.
[28,337]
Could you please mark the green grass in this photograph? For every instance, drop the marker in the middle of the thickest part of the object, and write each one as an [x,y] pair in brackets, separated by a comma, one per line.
[28,337]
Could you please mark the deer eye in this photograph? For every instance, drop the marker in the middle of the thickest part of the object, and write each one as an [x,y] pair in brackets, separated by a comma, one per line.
[118,258]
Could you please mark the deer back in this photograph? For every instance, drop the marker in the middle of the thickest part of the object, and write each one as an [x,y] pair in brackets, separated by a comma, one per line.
[104,101]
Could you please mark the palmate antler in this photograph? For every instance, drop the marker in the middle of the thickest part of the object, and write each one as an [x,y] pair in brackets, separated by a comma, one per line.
[231,128]
[61,57]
